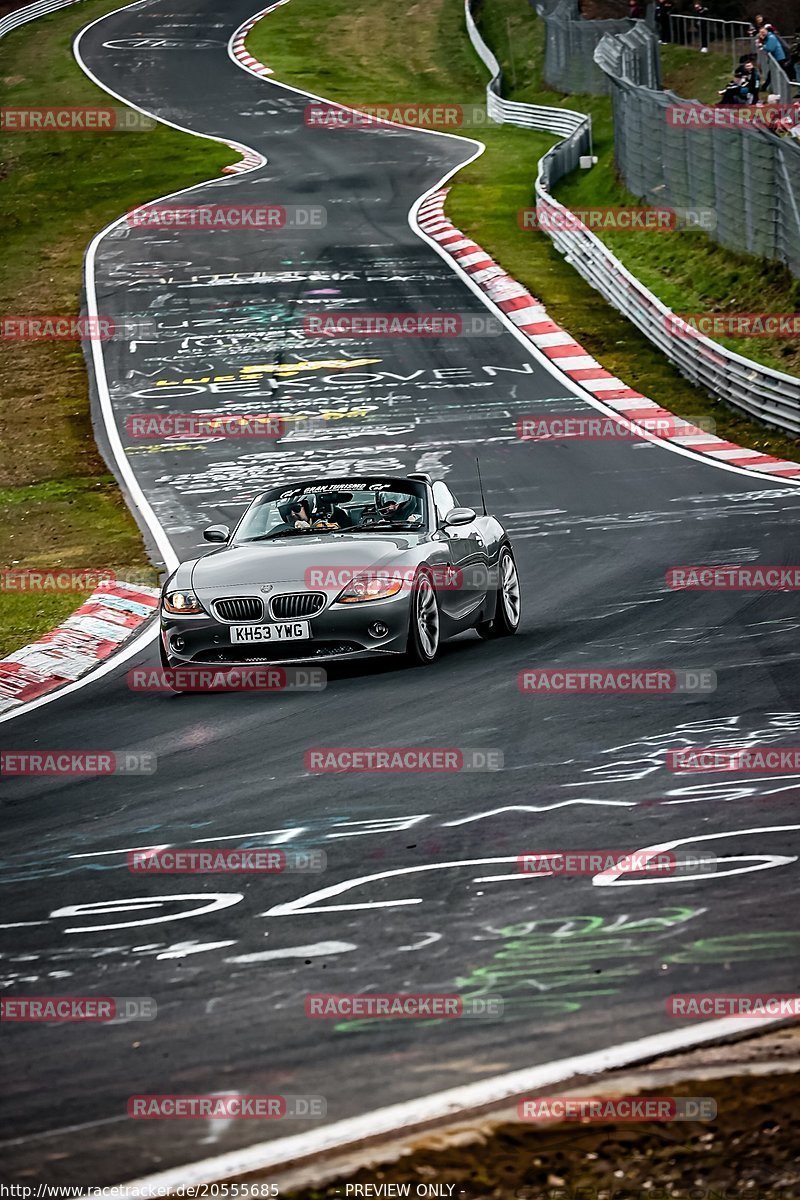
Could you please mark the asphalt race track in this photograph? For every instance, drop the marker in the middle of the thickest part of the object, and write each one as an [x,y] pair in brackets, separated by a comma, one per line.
[596,525]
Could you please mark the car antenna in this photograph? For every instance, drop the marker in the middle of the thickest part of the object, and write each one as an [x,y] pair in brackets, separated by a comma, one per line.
[480,483]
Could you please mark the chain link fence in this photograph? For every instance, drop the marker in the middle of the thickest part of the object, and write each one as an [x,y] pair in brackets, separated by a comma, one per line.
[772,396]
[672,152]
[570,43]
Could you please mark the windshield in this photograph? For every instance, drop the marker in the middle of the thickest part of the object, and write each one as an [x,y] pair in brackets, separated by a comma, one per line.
[315,508]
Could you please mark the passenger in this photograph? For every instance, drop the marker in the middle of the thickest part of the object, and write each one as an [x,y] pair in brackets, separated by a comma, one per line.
[331,514]
[398,507]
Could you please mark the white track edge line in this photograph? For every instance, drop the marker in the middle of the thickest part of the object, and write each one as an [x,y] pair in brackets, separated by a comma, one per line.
[550,364]
[154,526]
[454,1100]
[454,1103]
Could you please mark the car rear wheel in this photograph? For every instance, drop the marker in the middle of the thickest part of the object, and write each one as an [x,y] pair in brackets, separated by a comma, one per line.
[508,604]
[424,624]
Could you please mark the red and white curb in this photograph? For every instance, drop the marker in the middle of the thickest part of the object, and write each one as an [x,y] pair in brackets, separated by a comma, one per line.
[245,59]
[250,160]
[242,56]
[112,614]
[237,44]
[568,356]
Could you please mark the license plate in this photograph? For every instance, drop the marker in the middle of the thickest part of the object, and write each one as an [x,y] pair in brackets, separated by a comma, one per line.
[286,631]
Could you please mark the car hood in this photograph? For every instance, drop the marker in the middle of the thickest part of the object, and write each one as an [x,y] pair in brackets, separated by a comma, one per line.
[284,561]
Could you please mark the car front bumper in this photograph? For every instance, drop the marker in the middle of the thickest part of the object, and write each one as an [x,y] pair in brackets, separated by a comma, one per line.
[339,632]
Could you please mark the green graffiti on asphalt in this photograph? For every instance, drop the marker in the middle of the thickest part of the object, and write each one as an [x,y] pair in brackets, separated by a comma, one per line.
[553,966]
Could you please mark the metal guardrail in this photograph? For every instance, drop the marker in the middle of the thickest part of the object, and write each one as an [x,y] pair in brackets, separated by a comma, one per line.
[30,13]
[686,29]
[770,395]
[570,42]
[775,80]
[561,121]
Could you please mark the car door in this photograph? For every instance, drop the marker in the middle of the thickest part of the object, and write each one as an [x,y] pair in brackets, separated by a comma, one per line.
[468,554]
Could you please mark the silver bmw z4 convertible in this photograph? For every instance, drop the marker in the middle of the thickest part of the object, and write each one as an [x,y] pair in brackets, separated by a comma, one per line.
[342,569]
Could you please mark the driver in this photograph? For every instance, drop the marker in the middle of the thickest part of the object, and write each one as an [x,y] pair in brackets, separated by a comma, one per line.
[296,514]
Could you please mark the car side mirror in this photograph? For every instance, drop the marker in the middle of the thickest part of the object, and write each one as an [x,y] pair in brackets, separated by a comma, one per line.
[460,516]
[217,533]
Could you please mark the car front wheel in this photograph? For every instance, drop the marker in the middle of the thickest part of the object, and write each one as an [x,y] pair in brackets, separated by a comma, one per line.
[508,604]
[424,625]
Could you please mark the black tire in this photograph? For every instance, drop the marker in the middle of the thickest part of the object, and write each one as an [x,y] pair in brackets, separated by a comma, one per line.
[508,600]
[424,624]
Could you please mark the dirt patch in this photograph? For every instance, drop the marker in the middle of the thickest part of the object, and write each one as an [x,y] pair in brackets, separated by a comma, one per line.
[748,1151]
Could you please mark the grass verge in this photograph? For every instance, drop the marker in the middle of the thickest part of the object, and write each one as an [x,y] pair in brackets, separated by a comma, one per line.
[373,51]
[59,505]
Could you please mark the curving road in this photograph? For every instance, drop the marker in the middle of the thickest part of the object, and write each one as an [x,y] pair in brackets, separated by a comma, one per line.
[595,524]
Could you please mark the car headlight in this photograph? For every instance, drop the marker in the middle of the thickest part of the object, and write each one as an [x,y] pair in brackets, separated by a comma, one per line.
[374,586]
[182,603]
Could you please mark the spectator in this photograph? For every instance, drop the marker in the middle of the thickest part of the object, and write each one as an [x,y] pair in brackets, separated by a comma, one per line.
[768,40]
[701,26]
[664,21]
[635,10]
[752,78]
[736,91]
[757,26]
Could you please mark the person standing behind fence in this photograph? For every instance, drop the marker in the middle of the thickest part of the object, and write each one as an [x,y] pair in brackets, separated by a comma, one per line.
[701,26]
[664,21]
[768,40]
[752,78]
